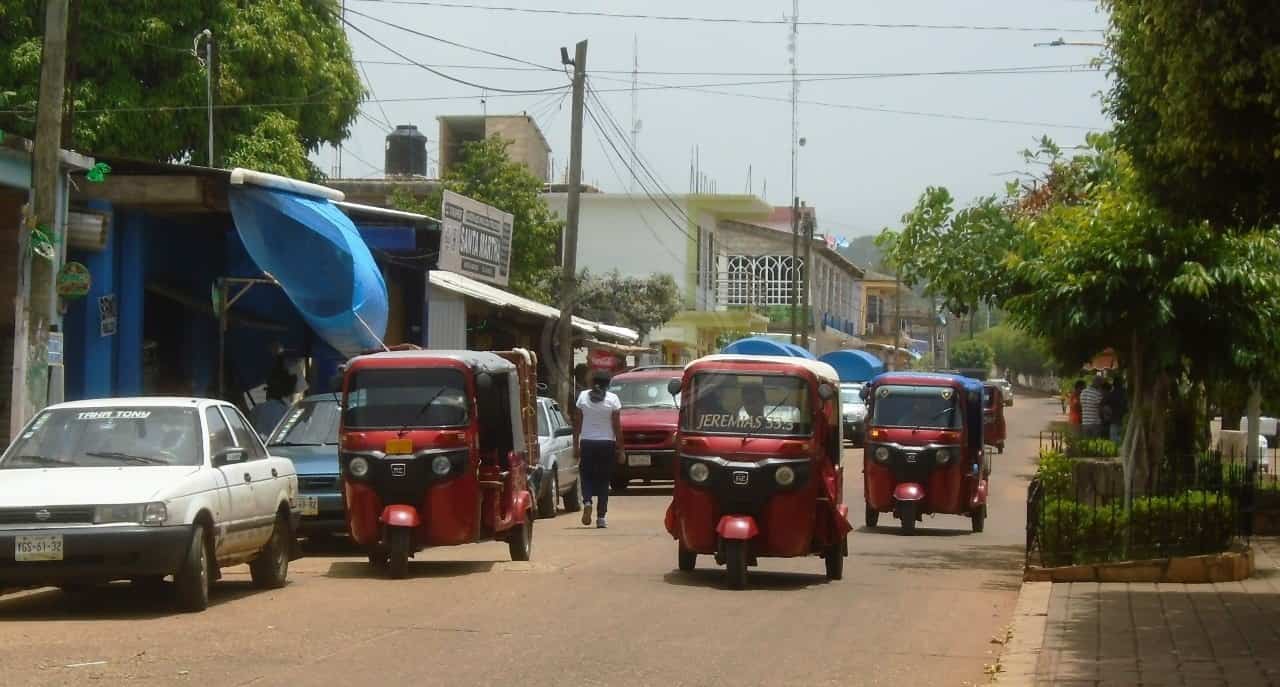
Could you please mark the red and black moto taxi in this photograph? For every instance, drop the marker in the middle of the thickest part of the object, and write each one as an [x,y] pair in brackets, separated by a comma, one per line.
[759,471]
[994,430]
[433,452]
[924,451]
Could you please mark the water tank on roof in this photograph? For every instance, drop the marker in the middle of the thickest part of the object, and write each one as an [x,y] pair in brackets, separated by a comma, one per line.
[406,152]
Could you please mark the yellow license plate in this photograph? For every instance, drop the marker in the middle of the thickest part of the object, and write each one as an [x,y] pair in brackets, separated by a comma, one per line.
[399,446]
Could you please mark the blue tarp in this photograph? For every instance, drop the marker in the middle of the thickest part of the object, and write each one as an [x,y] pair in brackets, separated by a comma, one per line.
[854,366]
[316,254]
[759,345]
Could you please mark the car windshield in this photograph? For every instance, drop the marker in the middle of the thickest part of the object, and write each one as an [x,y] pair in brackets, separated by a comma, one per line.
[544,429]
[759,405]
[310,422]
[644,393]
[391,398]
[108,436]
[930,407]
[851,395]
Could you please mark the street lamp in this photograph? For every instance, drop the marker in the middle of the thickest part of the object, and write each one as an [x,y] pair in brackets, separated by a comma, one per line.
[1058,43]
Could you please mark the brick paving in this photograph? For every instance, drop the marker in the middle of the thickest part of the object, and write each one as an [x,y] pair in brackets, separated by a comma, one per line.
[1157,634]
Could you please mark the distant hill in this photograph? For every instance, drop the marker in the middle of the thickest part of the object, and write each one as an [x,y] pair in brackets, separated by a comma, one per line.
[864,253]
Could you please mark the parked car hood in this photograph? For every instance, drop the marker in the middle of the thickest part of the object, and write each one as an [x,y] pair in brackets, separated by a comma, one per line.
[309,460]
[650,418]
[100,485]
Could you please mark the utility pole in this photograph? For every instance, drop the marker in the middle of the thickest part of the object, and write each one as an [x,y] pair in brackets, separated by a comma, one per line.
[897,320]
[795,270]
[207,35]
[569,271]
[42,302]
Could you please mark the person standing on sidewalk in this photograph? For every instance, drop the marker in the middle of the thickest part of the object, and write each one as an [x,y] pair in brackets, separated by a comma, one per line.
[1091,409]
[597,434]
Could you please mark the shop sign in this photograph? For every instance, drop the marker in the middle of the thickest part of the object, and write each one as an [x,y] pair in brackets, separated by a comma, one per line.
[603,360]
[53,349]
[107,318]
[475,239]
[74,280]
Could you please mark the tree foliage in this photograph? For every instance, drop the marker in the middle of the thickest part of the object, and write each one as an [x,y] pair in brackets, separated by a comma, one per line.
[1018,353]
[972,354]
[486,173]
[642,304]
[1196,100]
[286,85]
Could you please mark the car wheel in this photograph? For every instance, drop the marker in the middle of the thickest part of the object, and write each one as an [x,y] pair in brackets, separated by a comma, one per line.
[547,504]
[191,583]
[978,519]
[872,516]
[688,560]
[378,560]
[270,569]
[907,514]
[401,540]
[735,560]
[573,497]
[835,561]
[520,542]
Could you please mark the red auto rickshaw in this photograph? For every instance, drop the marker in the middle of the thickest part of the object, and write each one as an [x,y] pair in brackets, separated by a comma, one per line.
[925,452]
[434,451]
[758,472]
[993,426]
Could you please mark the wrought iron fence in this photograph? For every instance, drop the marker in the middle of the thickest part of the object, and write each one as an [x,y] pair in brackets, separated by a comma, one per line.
[1077,512]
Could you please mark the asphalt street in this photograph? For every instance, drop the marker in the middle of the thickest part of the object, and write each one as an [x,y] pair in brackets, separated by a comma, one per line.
[595,607]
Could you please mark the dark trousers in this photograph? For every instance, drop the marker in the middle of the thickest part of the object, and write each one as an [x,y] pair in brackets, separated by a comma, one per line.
[596,471]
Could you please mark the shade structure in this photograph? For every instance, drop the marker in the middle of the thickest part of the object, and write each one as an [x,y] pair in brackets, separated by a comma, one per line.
[759,345]
[317,256]
[854,366]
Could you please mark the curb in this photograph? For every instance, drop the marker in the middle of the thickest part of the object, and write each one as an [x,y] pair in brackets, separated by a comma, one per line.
[1022,652]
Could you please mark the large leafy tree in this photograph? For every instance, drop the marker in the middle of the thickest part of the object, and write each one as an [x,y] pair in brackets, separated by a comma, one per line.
[642,304]
[486,173]
[286,81]
[1196,100]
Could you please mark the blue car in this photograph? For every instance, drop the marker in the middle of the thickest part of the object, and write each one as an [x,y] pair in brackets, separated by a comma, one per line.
[308,435]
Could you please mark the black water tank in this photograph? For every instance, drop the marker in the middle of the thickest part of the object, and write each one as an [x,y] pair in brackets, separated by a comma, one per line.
[406,152]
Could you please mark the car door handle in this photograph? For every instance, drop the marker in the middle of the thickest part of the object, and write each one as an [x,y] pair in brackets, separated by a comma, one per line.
[248,477]
[274,473]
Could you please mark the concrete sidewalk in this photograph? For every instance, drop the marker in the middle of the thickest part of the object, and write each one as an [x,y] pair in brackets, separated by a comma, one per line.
[1150,634]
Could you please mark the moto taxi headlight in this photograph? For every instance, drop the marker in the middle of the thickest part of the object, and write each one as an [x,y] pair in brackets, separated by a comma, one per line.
[942,456]
[440,465]
[881,454]
[358,467]
[785,476]
[699,472]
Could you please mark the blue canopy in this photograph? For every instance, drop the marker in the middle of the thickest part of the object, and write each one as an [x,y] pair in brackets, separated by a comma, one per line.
[317,256]
[854,366]
[760,345]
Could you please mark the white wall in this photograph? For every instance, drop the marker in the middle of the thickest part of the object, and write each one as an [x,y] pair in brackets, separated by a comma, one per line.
[629,234]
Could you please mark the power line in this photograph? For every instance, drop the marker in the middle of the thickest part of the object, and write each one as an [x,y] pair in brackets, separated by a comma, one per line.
[369,83]
[423,34]
[729,20]
[643,220]
[439,73]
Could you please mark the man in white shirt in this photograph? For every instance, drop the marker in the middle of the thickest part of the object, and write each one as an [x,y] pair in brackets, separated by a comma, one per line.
[597,434]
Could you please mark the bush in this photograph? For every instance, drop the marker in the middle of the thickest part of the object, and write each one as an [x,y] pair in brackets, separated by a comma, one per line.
[973,354]
[1054,474]
[1079,447]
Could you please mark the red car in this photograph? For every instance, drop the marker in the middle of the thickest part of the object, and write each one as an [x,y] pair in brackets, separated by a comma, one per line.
[650,415]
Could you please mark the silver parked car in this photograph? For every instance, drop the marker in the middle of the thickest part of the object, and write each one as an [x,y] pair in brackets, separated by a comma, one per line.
[556,476]
[1006,390]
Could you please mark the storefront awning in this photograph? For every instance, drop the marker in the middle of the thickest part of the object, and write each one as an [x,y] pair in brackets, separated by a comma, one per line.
[293,231]
[493,295]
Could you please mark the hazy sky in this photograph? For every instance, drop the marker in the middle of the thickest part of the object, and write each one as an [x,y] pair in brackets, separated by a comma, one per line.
[861,168]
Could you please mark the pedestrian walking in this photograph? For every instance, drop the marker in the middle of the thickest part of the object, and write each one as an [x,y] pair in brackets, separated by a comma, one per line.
[1118,404]
[1073,404]
[1091,409]
[597,433]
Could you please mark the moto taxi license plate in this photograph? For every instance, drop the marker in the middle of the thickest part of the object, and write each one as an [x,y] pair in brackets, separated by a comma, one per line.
[37,547]
[639,460]
[399,446]
[308,505]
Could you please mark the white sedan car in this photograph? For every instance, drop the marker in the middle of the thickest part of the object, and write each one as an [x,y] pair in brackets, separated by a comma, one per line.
[141,489]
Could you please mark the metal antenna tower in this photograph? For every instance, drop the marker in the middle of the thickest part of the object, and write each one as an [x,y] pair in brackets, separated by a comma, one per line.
[793,49]
[635,109]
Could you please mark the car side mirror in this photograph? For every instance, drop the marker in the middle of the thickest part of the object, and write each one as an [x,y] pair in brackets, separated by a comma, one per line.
[673,387]
[228,456]
[564,432]
[826,392]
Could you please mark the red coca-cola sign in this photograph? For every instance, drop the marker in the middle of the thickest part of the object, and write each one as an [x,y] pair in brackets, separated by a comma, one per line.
[600,359]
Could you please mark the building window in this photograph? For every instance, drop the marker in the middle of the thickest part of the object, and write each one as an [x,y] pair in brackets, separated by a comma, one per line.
[759,280]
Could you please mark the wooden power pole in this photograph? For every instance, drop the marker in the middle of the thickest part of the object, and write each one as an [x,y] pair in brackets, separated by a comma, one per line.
[807,324]
[41,300]
[795,270]
[569,271]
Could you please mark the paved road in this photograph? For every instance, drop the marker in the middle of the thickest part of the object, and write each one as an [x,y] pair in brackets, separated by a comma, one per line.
[595,608]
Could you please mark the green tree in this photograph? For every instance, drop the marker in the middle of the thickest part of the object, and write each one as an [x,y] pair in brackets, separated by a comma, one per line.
[1016,352]
[642,304]
[486,173]
[972,354]
[286,80]
[1196,100]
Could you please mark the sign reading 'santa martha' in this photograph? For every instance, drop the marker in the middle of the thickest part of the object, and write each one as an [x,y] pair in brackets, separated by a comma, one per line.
[475,239]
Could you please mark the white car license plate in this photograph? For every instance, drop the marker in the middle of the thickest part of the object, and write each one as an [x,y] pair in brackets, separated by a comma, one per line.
[639,460]
[308,505]
[37,547]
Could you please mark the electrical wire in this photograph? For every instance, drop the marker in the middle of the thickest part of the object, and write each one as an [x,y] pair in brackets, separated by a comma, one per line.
[369,82]
[727,20]
[643,220]
[439,73]
[446,41]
